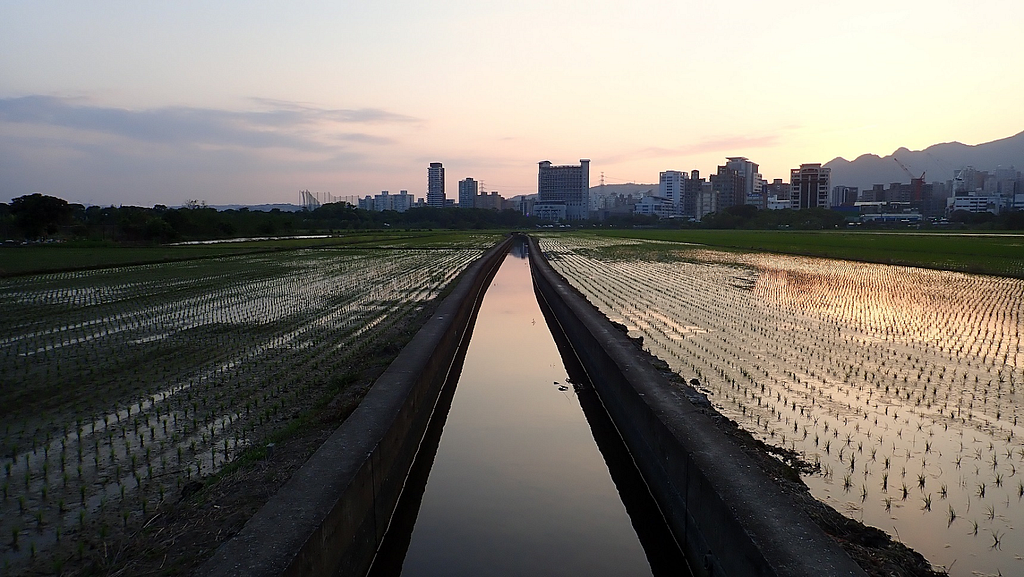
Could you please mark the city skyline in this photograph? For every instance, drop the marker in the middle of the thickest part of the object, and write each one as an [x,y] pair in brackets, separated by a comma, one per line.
[114,104]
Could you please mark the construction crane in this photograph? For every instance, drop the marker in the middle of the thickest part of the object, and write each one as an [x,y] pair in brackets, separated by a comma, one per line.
[916,184]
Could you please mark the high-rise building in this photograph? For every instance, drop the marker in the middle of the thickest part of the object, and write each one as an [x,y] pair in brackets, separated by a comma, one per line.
[707,200]
[490,201]
[967,180]
[844,195]
[809,186]
[693,187]
[682,189]
[776,195]
[671,185]
[752,193]
[566,185]
[731,186]
[435,185]
[468,189]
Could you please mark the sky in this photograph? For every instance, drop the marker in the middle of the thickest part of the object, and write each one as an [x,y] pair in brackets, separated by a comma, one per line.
[142,103]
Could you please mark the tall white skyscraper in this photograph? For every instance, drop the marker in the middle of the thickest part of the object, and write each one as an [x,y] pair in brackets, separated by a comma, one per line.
[671,185]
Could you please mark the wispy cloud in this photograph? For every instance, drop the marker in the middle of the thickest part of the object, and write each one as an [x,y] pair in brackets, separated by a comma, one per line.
[346,115]
[276,125]
[729,144]
[88,152]
[363,138]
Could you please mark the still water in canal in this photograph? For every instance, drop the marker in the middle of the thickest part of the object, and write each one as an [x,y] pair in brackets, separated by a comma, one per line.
[525,475]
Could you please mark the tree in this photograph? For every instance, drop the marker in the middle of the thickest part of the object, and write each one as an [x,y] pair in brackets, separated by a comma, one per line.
[38,215]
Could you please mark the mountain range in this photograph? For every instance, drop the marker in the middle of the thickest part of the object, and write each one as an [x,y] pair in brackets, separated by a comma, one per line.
[937,162]
[636,189]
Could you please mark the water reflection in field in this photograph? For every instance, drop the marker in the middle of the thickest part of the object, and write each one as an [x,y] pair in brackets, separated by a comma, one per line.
[904,385]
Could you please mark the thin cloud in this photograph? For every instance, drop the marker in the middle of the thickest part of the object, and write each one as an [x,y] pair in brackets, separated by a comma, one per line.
[363,138]
[473,161]
[82,151]
[731,143]
[286,126]
[347,115]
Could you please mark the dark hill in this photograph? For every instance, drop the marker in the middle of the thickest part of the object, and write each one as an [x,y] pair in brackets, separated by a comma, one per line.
[937,161]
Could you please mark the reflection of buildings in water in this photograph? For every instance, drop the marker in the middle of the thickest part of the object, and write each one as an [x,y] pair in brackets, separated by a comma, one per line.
[870,297]
[520,249]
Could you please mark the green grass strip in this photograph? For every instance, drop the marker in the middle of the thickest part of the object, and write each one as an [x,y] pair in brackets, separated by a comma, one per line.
[993,254]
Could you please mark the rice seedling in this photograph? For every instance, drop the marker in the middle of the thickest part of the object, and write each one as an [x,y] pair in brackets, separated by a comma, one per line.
[997,539]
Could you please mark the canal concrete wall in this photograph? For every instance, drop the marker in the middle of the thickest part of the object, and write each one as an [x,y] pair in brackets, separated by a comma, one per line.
[727,515]
[330,517]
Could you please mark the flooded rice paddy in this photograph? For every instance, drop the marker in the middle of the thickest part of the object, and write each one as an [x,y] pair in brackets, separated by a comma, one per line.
[119,387]
[904,386]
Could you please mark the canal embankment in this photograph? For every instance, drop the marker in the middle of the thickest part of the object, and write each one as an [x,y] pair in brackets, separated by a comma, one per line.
[333,513]
[728,515]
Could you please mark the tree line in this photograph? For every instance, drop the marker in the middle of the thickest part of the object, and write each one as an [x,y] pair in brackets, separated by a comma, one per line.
[38,217]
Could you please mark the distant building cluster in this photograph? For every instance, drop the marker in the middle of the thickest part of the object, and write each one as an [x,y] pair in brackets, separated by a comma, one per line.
[564,194]
[400,202]
[969,190]
[738,182]
[470,196]
[984,191]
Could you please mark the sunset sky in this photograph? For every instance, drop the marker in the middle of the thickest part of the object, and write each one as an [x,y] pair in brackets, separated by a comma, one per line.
[249,102]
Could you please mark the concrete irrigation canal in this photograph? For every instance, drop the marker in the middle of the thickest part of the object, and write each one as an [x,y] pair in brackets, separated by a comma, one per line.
[524,434]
